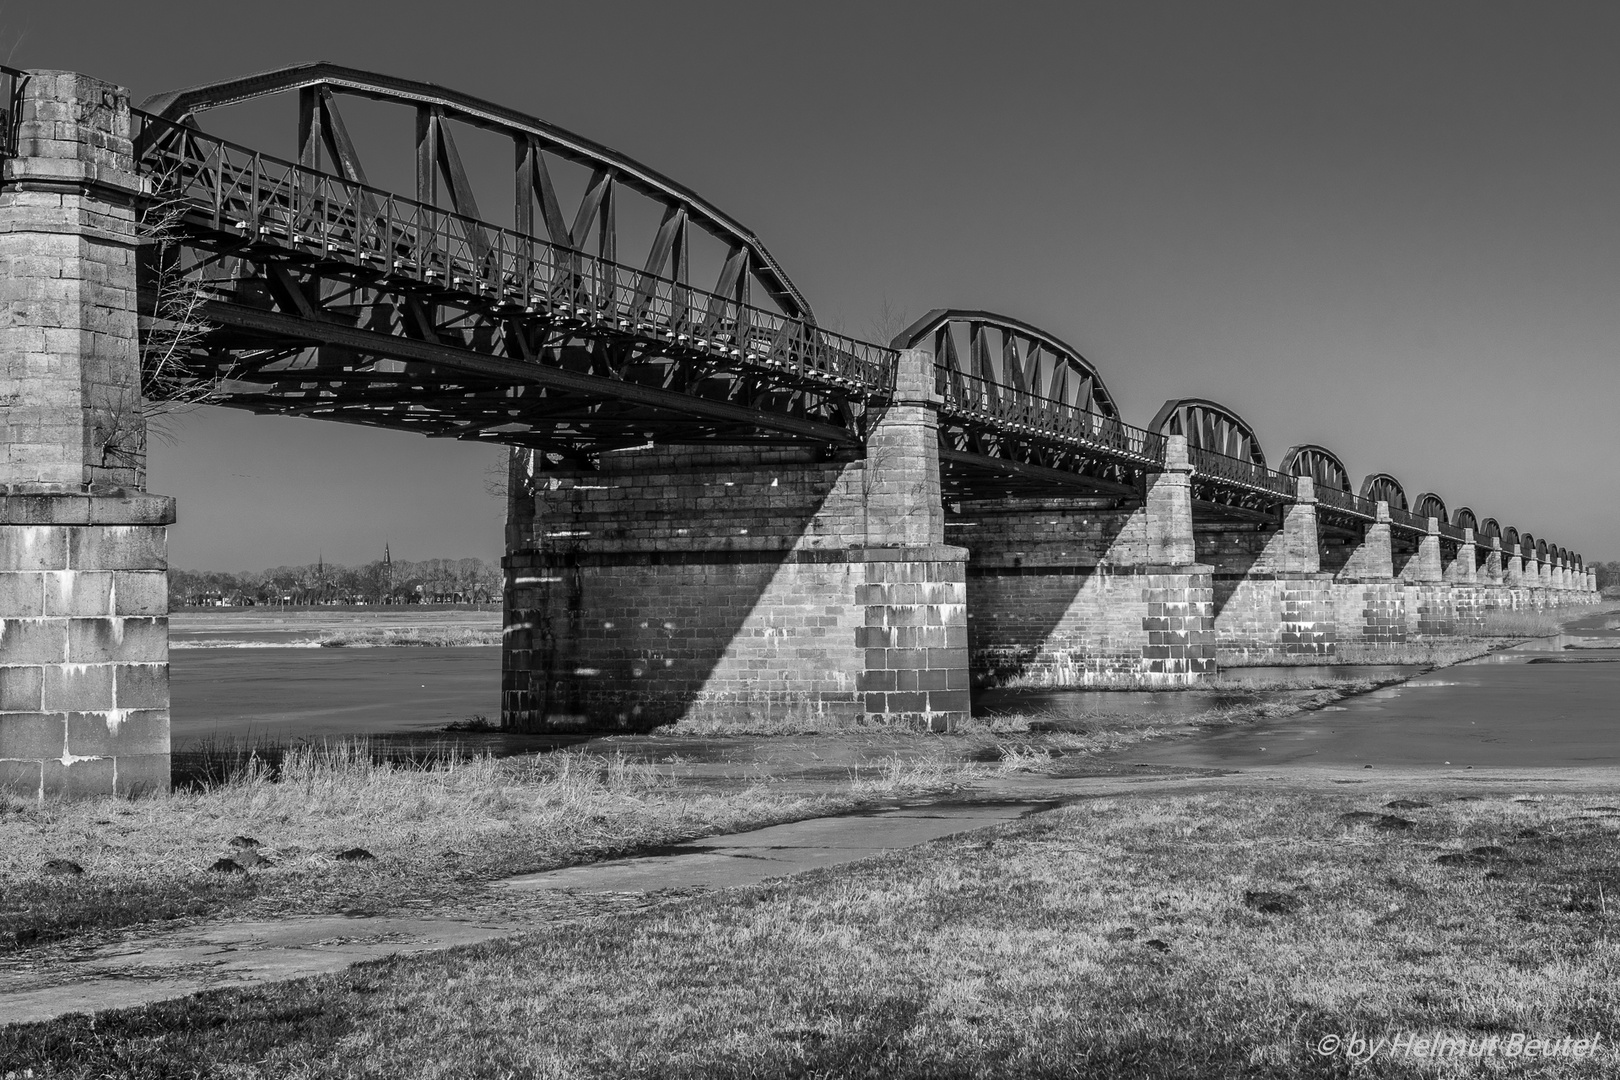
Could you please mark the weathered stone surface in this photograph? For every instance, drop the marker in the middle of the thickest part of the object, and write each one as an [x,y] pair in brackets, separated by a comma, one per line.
[82,548]
[79,777]
[141,774]
[116,639]
[21,688]
[32,736]
[1070,592]
[21,777]
[71,687]
[738,585]
[68,338]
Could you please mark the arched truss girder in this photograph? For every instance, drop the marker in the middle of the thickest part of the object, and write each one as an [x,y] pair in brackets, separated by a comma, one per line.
[1528,546]
[1542,551]
[1511,538]
[442,178]
[1464,518]
[1209,426]
[1487,529]
[1320,464]
[1430,505]
[1382,487]
[1007,352]
[1563,555]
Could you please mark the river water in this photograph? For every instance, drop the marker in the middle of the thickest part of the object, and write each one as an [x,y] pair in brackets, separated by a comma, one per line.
[277,694]
[1550,702]
[1554,701]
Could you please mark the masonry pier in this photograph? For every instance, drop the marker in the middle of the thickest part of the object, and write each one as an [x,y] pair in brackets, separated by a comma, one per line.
[1369,601]
[84,680]
[738,586]
[1081,591]
[1272,597]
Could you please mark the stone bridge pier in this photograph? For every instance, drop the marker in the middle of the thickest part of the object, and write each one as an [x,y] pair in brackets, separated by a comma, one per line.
[733,585]
[1272,596]
[84,681]
[1369,599]
[1079,591]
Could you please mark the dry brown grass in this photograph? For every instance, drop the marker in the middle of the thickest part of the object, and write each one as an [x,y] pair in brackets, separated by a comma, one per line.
[1085,737]
[1193,936]
[381,637]
[1524,624]
[439,831]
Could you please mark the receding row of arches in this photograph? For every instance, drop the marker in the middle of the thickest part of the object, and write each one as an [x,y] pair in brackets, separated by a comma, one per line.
[989,350]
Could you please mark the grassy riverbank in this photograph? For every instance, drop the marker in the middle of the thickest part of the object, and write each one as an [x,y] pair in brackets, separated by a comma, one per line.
[1166,935]
[388,637]
[437,831]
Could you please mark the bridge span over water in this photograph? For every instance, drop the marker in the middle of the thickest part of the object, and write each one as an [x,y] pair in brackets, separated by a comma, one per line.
[717,508]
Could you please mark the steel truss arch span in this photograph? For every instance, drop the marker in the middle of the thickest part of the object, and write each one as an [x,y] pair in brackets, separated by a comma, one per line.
[1229,468]
[1464,518]
[441,175]
[1382,487]
[1322,465]
[976,350]
[1511,538]
[1022,410]
[1486,530]
[1209,426]
[1430,505]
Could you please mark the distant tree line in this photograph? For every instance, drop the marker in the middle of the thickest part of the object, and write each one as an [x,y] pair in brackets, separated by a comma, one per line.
[1608,574]
[430,581]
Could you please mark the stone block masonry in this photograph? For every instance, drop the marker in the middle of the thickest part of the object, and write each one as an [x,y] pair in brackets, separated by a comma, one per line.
[915,636]
[1271,597]
[738,586]
[84,677]
[1080,591]
[734,588]
[69,352]
[84,674]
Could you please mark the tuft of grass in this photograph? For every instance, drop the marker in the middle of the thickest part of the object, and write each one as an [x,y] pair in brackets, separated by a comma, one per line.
[1521,624]
[1167,935]
[1086,736]
[787,721]
[384,637]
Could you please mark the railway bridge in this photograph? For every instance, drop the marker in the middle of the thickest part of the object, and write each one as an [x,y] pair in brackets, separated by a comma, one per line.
[717,508]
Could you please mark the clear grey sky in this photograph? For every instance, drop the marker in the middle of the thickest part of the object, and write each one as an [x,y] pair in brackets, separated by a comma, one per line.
[1387,228]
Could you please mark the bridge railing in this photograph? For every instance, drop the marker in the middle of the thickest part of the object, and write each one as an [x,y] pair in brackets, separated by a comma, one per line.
[1014,412]
[1235,472]
[265,200]
[1347,502]
[11,85]
[1451,532]
[1408,520]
